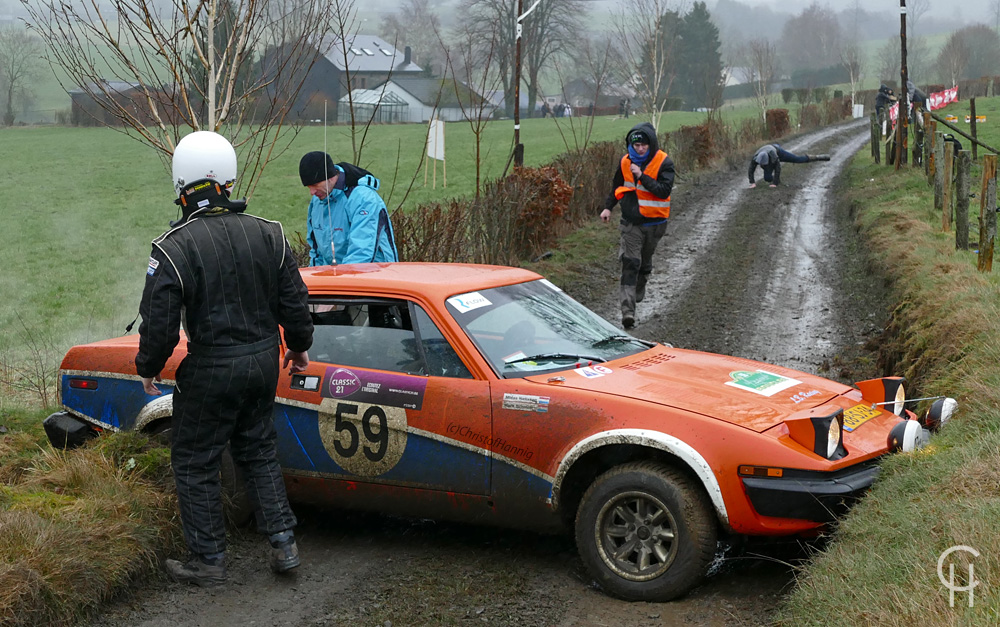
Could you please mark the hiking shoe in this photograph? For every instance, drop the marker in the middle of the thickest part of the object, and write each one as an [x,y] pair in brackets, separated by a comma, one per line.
[197,572]
[628,322]
[640,294]
[284,556]
[820,157]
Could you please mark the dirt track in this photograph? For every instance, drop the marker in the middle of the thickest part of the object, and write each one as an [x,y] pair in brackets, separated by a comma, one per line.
[769,274]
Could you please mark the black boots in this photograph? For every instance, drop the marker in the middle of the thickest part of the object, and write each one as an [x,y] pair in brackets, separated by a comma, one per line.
[197,571]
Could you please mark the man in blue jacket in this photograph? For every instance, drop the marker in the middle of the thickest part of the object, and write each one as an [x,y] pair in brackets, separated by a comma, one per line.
[348,221]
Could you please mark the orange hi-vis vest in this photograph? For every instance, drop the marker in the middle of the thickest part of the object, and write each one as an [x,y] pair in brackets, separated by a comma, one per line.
[650,205]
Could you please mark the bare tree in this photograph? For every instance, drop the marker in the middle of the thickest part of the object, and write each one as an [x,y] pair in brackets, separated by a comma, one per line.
[489,27]
[852,58]
[995,12]
[763,66]
[599,65]
[888,59]
[647,46]
[983,44]
[551,29]
[162,69]
[415,24]
[20,64]
[811,40]
[472,62]
[953,59]
[851,55]
[915,9]
[547,31]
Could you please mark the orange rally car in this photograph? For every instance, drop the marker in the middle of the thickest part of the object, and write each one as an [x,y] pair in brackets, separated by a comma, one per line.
[486,394]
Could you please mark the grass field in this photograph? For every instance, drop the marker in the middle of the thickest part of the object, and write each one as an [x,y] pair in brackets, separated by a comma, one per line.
[83,204]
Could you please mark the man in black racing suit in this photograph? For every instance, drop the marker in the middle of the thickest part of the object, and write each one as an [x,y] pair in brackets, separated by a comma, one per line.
[231,279]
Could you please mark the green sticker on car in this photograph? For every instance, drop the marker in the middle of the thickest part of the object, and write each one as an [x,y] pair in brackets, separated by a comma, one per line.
[761,382]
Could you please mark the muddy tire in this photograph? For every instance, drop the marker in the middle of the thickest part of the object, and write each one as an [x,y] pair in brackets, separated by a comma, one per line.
[235,503]
[645,532]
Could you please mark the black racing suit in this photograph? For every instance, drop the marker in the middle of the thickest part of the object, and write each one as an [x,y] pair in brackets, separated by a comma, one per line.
[233,280]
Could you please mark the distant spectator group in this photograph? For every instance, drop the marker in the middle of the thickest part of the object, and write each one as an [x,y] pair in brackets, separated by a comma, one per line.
[561,110]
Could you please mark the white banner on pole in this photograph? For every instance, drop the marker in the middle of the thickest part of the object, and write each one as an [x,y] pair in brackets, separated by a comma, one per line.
[435,140]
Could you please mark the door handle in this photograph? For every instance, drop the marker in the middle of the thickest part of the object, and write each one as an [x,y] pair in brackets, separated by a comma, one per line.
[308,382]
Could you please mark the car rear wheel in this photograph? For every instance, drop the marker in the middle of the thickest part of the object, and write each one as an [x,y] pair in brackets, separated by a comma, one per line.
[235,501]
[645,532]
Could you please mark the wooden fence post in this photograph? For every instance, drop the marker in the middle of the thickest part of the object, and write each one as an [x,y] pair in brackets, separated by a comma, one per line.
[930,127]
[946,188]
[987,213]
[938,170]
[963,174]
[972,128]
[875,133]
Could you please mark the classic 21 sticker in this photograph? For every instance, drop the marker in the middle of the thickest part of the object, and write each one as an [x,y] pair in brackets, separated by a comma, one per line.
[362,418]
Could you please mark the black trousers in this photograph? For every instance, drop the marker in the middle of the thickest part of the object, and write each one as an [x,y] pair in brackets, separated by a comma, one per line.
[219,401]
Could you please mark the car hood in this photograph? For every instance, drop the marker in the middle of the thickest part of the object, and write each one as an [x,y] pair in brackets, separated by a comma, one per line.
[748,393]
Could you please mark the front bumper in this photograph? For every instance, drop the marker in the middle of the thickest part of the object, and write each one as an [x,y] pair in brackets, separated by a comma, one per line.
[66,430]
[808,495]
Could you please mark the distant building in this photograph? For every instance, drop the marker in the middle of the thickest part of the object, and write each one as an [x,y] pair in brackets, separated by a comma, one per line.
[357,63]
[422,99]
[86,107]
[372,104]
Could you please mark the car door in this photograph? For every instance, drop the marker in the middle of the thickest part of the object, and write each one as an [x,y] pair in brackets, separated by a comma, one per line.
[385,400]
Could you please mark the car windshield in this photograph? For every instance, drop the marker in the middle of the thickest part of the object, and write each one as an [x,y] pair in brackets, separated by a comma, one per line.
[535,327]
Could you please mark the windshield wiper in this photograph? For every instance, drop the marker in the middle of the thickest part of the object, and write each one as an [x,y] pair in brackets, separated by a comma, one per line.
[619,338]
[551,356]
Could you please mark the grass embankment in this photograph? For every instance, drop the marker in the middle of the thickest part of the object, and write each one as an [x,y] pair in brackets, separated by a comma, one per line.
[882,567]
[76,528]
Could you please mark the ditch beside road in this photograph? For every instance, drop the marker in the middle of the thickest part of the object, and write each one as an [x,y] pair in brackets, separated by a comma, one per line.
[773,274]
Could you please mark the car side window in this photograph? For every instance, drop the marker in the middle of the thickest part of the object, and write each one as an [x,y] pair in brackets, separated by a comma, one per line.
[442,360]
[380,335]
[366,334]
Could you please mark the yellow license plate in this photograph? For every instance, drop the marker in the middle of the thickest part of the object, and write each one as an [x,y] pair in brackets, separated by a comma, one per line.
[858,415]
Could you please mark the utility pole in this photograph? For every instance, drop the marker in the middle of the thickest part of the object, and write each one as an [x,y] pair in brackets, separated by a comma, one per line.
[902,117]
[518,146]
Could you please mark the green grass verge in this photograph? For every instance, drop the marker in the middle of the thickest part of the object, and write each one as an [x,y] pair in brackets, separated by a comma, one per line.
[78,526]
[881,568]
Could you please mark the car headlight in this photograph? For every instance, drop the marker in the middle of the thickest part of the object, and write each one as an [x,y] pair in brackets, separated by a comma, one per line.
[823,435]
[939,413]
[907,436]
[833,435]
[889,392]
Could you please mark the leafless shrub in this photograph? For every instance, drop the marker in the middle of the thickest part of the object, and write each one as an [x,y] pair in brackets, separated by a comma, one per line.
[35,374]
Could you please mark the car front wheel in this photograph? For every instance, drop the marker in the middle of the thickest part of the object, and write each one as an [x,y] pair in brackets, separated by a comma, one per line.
[645,532]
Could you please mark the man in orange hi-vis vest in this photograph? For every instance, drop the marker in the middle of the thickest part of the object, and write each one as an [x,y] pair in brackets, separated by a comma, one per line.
[642,185]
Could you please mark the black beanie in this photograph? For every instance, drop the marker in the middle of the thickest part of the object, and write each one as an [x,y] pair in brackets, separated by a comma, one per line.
[315,167]
[638,137]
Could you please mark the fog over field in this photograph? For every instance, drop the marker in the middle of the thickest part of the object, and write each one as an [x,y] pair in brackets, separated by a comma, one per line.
[965,11]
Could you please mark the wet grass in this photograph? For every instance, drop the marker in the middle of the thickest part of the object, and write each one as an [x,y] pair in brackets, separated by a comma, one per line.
[881,567]
[75,527]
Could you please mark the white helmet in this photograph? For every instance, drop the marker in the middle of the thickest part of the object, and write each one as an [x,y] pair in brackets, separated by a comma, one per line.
[204,155]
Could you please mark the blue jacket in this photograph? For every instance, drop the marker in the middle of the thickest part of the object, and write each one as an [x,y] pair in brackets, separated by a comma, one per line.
[351,225]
